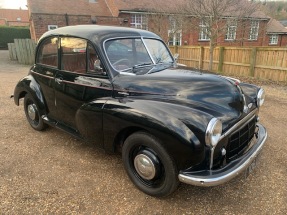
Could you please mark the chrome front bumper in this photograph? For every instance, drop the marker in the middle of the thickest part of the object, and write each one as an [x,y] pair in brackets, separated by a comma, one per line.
[209,178]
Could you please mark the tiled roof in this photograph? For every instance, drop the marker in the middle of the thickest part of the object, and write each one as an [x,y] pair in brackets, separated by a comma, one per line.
[275,26]
[72,7]
[148,5]
[173,6]
[12,15]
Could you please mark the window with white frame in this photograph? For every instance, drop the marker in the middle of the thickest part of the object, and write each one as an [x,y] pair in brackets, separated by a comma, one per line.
[174,32]
[52,27]
[139,21]
[231,30]
[254,30]
[174,38]
[273,39]
[204,31]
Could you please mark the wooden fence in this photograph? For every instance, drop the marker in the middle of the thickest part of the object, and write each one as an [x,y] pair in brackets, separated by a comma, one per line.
[263,63]
[22,50]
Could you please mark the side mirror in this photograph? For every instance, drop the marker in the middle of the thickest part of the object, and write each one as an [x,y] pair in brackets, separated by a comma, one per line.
[176,55]
[97,66]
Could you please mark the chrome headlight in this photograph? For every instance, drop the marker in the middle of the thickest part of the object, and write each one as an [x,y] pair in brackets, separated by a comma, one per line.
[213,132]
[260,97]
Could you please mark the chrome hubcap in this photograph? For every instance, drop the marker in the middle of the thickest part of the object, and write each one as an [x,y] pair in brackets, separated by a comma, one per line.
[144,166]
[32,111]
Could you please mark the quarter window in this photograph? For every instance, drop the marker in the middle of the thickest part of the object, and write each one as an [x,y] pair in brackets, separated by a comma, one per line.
[139,21]
[48,52]
[273,40]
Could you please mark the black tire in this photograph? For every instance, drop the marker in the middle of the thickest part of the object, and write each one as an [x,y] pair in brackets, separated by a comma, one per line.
[31,108]
[165,180]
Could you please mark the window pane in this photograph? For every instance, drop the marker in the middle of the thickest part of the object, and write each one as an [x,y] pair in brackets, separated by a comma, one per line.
[273,39]
[73,55]
[125,53]
[139,21]
[158,51]
[48,53]
[254,30]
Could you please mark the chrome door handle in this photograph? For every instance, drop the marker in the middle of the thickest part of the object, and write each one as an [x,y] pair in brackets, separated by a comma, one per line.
[59,80]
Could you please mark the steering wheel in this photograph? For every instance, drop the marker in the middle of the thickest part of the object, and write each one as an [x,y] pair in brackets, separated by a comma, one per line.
[123,61]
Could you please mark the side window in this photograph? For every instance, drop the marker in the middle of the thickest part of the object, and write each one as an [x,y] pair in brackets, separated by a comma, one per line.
[92,58]
[48,52]
[73,54]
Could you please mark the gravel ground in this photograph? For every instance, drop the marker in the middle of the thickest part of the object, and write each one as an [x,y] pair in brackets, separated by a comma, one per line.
[51,172]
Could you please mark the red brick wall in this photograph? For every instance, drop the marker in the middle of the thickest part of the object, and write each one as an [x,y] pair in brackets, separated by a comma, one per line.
[40,22]
[282,41]
[242,35]
[190,34]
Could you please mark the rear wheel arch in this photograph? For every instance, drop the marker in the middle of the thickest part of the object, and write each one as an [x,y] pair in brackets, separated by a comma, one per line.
[33,115]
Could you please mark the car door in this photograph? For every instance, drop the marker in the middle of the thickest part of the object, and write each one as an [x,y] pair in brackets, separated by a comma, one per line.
[44,71]
[80,90]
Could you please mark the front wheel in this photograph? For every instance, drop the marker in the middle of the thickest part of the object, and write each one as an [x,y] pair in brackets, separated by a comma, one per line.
[32,113]
[149,166]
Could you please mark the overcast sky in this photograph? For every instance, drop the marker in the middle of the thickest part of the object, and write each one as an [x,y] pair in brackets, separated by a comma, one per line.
[13,4]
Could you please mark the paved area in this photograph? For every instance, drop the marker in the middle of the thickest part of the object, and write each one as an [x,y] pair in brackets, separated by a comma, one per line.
[52,173]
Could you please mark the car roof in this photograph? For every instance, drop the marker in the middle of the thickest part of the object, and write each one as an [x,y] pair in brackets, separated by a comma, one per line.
[98,32]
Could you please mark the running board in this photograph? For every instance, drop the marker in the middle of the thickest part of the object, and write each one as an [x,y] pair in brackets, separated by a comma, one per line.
[61,126]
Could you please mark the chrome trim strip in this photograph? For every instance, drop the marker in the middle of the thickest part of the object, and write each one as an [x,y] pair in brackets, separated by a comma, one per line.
[246,119]
[45,76]
[148,51]
[212,178]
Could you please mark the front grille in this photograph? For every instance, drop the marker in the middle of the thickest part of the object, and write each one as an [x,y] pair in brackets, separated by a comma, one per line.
[240,140]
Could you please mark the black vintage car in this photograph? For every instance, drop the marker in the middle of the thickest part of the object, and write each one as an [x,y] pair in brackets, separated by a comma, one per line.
[120,88]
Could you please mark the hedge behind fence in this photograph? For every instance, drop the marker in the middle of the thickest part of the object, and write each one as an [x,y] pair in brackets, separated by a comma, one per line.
[8,34]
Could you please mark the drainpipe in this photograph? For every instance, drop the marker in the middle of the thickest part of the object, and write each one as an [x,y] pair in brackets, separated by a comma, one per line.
[67,19]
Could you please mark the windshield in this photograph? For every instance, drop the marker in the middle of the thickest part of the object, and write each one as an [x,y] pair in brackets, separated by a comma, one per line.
[136,55]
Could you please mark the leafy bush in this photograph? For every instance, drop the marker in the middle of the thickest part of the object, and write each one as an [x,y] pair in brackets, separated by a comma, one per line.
[8,34]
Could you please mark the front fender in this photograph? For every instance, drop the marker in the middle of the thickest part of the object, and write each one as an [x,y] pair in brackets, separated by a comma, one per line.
[29,85]
[180,129]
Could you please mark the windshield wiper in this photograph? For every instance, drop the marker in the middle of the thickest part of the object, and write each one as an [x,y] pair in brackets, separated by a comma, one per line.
[142,64]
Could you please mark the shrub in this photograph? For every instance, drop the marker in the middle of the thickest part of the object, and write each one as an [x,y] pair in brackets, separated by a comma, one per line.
[8,34]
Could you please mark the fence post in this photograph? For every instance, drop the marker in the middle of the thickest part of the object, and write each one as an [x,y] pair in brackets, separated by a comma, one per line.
[175,49]
[252,62]
[201,55]
[221,58]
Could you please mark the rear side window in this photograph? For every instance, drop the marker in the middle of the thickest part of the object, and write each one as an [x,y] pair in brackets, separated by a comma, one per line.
[73,54]
[48,52]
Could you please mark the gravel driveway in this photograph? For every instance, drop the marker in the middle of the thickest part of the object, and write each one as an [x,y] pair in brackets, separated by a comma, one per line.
[51,172]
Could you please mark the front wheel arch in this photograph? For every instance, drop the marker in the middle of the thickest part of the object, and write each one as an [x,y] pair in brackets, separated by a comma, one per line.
[149,166]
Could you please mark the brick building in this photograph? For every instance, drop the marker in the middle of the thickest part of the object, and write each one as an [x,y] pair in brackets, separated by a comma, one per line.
[146,15]
[49,14]
[14,17]
[157,16]
[276,34]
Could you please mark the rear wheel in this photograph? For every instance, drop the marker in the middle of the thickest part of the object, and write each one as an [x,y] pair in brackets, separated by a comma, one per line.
[32,113]
[149,166]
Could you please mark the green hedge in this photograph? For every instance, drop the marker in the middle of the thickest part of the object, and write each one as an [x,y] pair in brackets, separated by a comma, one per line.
[8,34]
